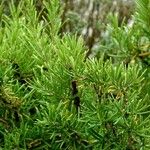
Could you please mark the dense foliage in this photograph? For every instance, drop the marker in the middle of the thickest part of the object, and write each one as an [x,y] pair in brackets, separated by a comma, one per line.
[53,96]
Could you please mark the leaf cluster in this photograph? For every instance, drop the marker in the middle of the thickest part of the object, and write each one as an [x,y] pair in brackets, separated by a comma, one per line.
[53,97]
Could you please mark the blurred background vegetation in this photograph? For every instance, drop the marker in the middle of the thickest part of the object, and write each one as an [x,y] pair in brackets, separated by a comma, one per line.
[88,18]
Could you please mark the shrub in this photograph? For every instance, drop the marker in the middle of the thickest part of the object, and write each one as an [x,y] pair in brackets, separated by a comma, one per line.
[54,97]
